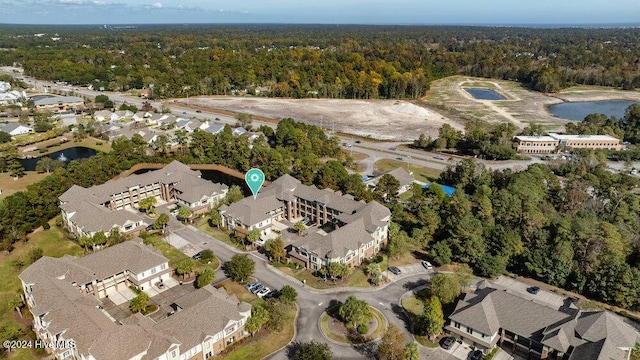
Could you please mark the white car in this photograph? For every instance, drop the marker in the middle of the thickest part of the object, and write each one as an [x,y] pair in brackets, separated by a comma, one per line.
[427,265]
[263,292]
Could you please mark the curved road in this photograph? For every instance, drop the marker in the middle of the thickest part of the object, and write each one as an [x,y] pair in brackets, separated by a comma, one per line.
[313,302]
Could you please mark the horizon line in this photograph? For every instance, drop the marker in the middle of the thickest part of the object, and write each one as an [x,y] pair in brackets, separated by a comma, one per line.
[513,25]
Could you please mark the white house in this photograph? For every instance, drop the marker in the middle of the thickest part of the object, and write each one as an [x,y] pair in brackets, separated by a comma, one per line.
[15,129]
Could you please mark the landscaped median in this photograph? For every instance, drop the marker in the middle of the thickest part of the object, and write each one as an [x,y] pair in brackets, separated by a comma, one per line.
[336,331]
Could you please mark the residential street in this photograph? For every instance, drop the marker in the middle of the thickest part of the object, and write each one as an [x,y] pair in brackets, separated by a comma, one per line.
[312,302]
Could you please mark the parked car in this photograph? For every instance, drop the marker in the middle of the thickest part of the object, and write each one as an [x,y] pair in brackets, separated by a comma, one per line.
[273,294]
[358,142]
[198,111]
[306,221]
[394,270]
[427,265]
[393,148]
[184,113]
[263,292]
[257,288]
[476,355]
[347,144]
[399,158]
[253,285]
[197,256]
[448,342]
[533,290]
[439,158]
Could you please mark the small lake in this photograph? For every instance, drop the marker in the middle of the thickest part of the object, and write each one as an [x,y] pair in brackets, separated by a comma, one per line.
[484,94]
[66,155]
[580,109]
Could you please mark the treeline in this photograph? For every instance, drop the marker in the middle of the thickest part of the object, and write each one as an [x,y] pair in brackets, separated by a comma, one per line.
[327,61]
[574,226]
[480,139]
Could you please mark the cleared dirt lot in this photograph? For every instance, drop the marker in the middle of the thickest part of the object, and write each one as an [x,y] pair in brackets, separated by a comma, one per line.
[400,120]
[397,120]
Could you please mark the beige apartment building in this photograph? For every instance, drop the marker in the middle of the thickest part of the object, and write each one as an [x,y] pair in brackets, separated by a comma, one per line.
[59,104]
[554,143]
[67,298]
[113,204]
[346,230]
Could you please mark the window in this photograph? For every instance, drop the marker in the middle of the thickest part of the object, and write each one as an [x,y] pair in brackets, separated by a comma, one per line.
[456,324]
[163,266]
[470,330]
[153,271]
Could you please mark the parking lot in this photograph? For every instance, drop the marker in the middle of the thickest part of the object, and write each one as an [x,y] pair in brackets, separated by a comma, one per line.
[408,270]
[520,289]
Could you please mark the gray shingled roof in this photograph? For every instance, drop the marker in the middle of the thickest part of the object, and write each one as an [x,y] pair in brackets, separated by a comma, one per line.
[338,242]
[58,100]
[593,335]
[206,317]
[130,255]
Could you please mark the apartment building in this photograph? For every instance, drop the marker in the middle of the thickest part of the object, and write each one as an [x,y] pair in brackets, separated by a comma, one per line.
[492,316]
[59,104]
[114,203]
[557,142]
[346,230]
[65,296]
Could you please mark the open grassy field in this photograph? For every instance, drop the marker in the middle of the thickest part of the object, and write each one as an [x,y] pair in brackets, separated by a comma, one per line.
[420,173]
[10,186]
[53,243]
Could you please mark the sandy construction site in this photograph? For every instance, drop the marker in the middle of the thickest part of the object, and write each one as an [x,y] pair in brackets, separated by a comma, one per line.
[396,120]
[402,120]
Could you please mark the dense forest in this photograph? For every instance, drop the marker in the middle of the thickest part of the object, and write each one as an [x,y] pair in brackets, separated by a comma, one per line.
[573,225]
[320,61]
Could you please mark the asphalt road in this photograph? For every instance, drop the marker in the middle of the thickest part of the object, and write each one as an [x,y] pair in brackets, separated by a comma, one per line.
[313,302]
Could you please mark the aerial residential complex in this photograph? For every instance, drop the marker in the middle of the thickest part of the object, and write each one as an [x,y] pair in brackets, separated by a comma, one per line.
[59,104]
[348,231]
[66,297]
[114,203]
[492,316]
[554,143]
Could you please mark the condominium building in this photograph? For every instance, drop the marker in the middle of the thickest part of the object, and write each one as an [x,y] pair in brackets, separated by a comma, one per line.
[113,204]
[66,298]
[59,104]
[346,230]
[493,316]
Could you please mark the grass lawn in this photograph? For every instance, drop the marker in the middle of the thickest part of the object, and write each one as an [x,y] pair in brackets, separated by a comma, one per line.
[218,234]
[356,279]
[175,256]
[10,186]
[91,143]
[240,292]
[420,173]
[53,243]
[356,156]
[377,315]
[413,305]
[264,342]
[424,341]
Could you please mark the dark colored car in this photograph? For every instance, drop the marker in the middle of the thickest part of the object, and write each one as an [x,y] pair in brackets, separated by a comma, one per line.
[358,142]
[197,256]
[198,111]
[476,355]
[395,270]
[448,342]
[533,290]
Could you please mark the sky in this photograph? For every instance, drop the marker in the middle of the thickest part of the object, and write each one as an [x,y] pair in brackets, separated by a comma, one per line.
[402,12]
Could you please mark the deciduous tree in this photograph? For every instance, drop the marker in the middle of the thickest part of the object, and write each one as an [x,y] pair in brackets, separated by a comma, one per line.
[392,345]
[240,267]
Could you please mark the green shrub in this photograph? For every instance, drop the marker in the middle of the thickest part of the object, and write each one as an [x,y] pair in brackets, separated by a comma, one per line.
[363,329]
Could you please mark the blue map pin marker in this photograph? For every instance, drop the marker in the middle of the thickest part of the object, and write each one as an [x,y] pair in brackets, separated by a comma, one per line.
[254,179]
